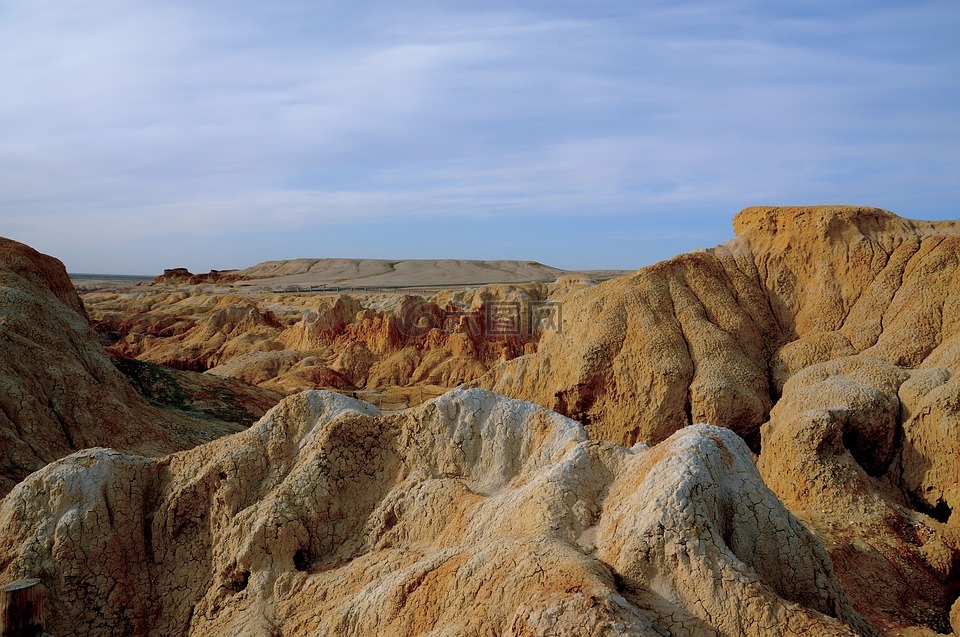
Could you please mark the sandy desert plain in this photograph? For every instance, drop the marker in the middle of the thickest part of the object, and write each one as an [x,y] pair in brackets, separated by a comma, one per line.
[759,438]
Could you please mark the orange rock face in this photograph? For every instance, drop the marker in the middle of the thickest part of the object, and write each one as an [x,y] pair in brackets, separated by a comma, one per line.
[289,343]
[712,336]
[829,339]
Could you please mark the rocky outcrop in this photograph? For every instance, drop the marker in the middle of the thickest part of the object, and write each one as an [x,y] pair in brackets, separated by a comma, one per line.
[834,454]
[289,343]
[198,395]
[59,391]
[827,337]
[317,329]
[713,335]
[182,276]
[473,514]
[173,275]
[191,331]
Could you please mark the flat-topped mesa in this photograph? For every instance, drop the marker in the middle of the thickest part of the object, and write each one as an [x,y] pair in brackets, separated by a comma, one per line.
[382,273]
[173,274]
[182,276]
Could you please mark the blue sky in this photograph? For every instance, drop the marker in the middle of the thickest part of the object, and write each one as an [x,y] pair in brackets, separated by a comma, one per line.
[140,135]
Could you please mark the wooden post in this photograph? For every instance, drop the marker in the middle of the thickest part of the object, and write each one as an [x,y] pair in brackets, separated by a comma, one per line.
[22,608]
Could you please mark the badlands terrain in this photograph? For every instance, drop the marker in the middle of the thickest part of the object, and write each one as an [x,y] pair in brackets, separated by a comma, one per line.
[373,327]
[761,438]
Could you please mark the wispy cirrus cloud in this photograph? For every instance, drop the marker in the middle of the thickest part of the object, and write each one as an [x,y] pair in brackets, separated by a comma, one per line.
[146,121]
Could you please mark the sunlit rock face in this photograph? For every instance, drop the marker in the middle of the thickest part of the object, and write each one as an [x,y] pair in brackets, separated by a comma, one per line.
[713,335]
[821,345]
[472,514]
[829,339]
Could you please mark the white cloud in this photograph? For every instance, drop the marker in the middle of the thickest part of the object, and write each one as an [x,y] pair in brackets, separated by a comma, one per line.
[142,119]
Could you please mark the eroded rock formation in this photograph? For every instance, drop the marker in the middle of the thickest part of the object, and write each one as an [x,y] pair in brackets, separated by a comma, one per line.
[472,514]
[59,391]
[712,336]
[289,343]
[181,276]
[828,339]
